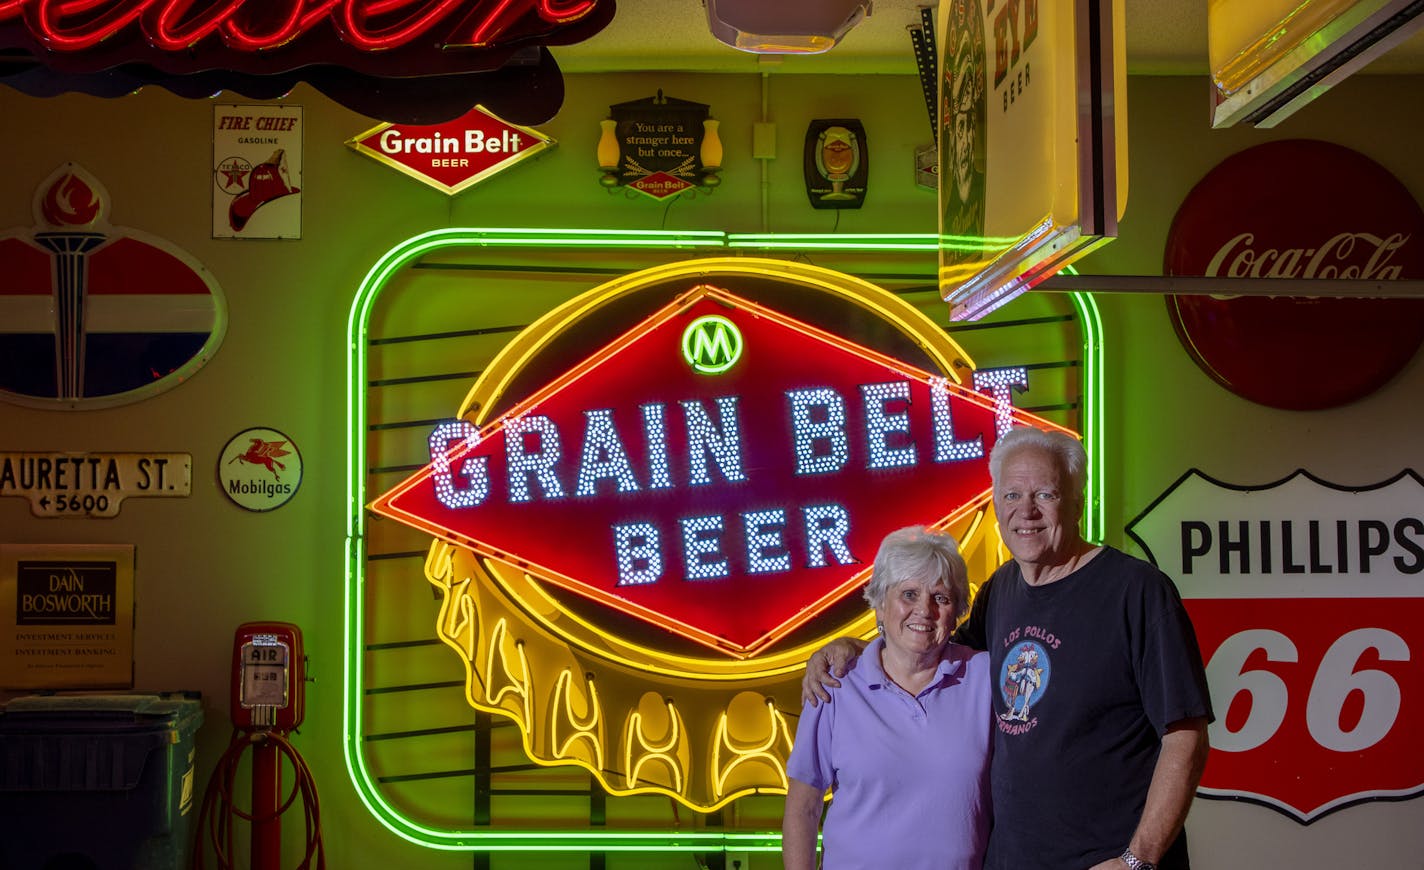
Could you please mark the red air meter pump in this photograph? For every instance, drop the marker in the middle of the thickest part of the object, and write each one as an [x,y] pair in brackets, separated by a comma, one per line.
[268,700]
[269,676]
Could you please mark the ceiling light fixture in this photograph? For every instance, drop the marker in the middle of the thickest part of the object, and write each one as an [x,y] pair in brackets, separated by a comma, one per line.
[784,26]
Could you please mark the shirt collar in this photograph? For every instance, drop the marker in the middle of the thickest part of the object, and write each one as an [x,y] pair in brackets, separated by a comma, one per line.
[950,665]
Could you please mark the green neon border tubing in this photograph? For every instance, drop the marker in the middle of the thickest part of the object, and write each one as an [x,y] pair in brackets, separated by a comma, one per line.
[499,840]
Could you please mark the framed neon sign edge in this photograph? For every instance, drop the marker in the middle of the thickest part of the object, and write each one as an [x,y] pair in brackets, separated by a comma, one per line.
[375,280]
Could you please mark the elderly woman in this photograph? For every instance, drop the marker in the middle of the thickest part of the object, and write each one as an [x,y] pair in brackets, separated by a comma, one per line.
[905,746]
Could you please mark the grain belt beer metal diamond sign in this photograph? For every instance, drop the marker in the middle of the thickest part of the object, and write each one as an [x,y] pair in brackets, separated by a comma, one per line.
[455,155]
[719,470]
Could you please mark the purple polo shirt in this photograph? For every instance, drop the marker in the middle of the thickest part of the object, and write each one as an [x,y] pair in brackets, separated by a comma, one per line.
[910,775]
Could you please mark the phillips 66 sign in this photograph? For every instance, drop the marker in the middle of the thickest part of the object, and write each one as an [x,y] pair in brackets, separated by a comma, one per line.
[1309,607]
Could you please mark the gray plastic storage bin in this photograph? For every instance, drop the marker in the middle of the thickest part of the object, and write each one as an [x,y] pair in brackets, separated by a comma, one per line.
[97,781]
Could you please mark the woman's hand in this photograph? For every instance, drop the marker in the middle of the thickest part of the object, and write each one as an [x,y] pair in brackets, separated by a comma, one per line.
[833,660]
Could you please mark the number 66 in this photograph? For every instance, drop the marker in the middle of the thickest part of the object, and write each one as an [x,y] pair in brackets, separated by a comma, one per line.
[1334,680]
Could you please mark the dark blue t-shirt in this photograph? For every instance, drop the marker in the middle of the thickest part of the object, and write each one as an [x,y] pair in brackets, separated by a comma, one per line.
[1087,674]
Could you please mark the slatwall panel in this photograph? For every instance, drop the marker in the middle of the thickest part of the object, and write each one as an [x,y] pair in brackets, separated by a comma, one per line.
[433,329]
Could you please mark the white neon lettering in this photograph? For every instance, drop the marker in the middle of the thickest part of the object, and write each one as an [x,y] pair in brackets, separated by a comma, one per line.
[521,463]
[766,544]
[639,551]
[603,456]
[702,548]
[997,383]
[704,438]
[947,447]
[473,470]
[826,529]
[821,446]
[880,425]
[655,437]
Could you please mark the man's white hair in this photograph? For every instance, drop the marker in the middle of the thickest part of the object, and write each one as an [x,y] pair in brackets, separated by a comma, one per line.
[1065,449]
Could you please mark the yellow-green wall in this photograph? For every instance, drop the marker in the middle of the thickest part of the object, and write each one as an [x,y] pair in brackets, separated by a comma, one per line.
[205,566]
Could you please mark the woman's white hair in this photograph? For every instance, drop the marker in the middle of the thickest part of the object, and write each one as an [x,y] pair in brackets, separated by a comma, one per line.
[918,553]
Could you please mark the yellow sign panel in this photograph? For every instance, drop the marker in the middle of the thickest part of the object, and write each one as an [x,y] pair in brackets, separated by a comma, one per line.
[1033,142]
[1246,36]
[1269,58]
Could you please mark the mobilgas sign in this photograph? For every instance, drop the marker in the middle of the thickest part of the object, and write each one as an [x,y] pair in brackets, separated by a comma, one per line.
[721,470]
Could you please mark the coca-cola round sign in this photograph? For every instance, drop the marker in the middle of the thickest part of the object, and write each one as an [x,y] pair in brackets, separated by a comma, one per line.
[1298,209]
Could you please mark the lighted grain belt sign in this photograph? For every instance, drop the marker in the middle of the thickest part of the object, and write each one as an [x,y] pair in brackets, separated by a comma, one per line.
[657,499]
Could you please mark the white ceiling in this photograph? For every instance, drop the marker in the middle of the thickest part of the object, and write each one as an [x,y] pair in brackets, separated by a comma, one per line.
[1164,37]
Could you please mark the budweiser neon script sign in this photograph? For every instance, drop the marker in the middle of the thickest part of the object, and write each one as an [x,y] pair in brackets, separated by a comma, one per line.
[241,27]
[261,48]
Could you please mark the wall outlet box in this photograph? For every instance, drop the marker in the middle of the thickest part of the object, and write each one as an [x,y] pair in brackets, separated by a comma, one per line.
[763,148]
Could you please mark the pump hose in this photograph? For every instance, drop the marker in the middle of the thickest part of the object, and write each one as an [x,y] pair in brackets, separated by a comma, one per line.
[219,813]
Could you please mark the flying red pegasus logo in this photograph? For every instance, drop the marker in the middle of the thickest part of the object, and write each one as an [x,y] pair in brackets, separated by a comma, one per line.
[264,453]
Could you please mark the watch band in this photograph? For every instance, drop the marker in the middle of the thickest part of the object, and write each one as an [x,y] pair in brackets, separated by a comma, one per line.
[1135,863]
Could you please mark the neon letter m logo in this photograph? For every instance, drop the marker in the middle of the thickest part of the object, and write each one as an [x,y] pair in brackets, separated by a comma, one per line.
[711,344]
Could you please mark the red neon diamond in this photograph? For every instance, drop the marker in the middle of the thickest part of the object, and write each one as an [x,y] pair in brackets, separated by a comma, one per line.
[769,586]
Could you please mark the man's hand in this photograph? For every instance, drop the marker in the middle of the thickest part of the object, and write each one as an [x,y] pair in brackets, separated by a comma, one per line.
[833,660]
[1169,795]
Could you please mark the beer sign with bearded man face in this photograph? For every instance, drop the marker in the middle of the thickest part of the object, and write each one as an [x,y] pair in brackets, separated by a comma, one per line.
[964,127]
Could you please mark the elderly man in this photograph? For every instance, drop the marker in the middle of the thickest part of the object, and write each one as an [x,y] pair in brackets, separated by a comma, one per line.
[1100,698]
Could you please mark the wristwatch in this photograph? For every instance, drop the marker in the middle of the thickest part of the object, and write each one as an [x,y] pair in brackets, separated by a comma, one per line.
[1135,863]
